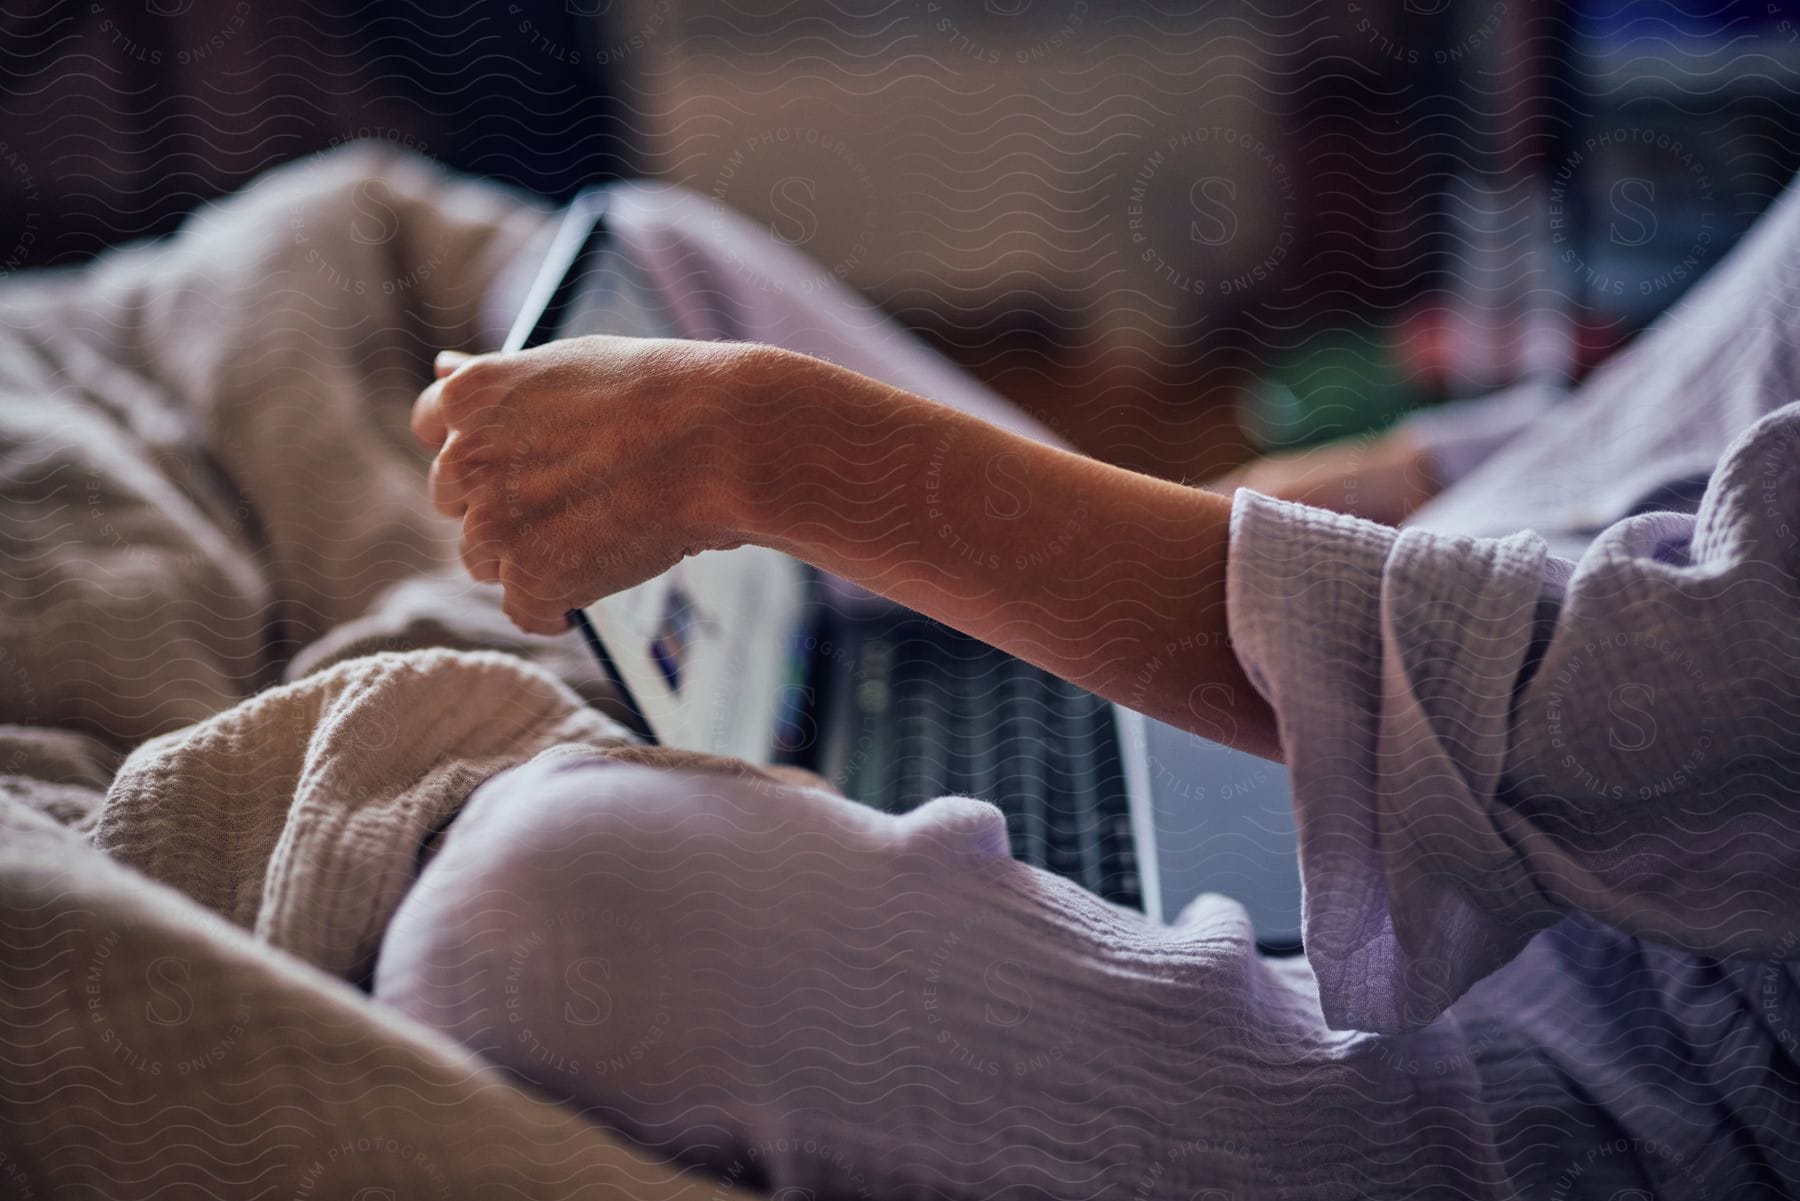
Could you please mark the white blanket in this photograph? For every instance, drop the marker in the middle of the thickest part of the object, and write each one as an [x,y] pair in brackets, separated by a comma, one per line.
[207,488]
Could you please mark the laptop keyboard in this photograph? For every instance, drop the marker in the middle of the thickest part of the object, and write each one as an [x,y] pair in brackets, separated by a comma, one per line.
[937,713]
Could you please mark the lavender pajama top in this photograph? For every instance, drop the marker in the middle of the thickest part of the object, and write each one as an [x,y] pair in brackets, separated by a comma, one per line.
[1545,741]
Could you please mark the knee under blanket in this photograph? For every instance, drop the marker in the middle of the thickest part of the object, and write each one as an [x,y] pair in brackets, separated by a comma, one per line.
[185,1028]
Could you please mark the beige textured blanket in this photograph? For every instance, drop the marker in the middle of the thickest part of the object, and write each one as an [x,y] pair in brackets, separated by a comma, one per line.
[206,489]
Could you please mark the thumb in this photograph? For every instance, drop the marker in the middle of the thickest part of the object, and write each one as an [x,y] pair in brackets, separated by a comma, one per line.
[448,361]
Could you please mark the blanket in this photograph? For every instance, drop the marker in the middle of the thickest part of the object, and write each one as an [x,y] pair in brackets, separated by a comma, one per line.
[242,683]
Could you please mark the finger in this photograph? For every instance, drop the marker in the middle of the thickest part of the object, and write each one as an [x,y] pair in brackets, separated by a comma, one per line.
[448,361]
[533,620]
[477,383]
[480,548]
[428,417]
[528,603]
[449,483]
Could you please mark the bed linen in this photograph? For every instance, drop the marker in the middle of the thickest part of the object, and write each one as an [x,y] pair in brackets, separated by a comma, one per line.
[222,751]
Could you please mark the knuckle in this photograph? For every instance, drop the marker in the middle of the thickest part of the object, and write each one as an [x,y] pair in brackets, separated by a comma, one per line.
[523,583]
[484,522]
[450,397]
[530,616]
[465,456]
[480,566]
[472,384]
[425,413]
[455,399]
[476,535]
[439,486]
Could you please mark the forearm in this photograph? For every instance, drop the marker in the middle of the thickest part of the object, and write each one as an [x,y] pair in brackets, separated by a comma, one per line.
[1108,578]
[585,467]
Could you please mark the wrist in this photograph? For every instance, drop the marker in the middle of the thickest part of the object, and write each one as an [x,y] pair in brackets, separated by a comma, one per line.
[766,423]
[811,452]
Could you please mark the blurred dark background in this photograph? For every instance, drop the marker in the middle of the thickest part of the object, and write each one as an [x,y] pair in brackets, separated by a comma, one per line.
[1184,232]
[128,115]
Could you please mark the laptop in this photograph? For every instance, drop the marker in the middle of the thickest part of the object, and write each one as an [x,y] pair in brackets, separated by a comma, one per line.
[753,654]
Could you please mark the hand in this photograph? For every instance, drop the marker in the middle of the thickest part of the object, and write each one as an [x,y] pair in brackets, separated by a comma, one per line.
[1383,478]
[586,466]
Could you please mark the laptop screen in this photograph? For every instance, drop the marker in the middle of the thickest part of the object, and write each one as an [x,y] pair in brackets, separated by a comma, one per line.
[705,650]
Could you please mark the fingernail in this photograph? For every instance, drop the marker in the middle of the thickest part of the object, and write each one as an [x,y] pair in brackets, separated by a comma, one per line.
[450,358]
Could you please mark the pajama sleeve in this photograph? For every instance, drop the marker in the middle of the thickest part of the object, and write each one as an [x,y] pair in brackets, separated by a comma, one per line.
[1483,737]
